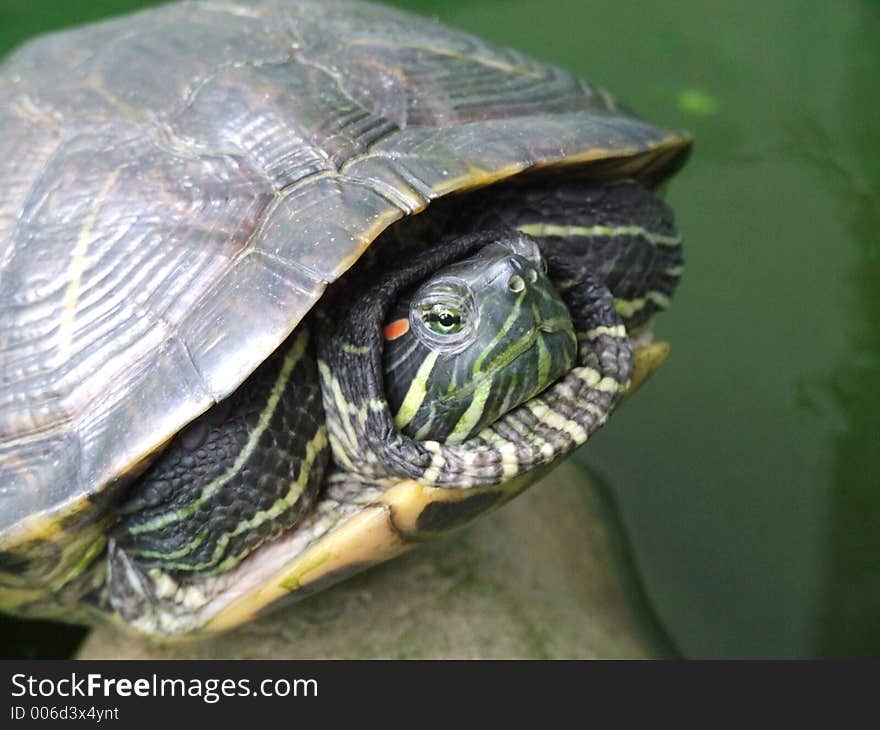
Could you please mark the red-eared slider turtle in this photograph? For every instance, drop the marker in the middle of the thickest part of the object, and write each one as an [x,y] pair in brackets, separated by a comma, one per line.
[193,370]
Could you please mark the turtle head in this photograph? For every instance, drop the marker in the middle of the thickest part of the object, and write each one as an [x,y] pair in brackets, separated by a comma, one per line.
[474,340]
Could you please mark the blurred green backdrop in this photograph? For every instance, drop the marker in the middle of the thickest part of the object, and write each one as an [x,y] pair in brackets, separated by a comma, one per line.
[748,470]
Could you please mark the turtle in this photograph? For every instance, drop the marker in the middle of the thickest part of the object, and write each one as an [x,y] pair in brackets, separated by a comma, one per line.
[288,287]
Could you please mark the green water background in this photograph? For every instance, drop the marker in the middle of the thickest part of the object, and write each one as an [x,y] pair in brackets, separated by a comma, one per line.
[748,471]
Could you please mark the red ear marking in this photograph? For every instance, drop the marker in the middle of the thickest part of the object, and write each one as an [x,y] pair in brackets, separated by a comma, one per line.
[397,328]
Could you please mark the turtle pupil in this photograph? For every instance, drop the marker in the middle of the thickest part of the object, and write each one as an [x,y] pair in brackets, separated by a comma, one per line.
[443,320]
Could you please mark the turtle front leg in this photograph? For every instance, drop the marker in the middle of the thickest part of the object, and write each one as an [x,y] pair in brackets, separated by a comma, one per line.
[236,478]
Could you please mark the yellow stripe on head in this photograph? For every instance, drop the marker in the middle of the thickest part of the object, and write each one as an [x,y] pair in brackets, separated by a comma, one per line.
[416,393]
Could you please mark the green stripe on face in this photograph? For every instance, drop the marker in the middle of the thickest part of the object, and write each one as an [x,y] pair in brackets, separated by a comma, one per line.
[544,361]
[471,417]
[426,428]
[416,393]
[409,352]
[496,345]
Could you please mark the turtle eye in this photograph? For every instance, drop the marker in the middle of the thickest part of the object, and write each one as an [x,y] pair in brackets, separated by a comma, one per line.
[443,319]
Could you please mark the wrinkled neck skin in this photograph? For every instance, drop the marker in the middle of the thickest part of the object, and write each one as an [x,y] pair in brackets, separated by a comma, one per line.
[366,445]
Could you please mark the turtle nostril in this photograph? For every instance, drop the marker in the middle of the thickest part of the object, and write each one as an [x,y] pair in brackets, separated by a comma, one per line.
[516,283]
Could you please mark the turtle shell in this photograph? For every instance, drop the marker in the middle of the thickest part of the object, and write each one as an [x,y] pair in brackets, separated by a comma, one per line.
[179,186]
